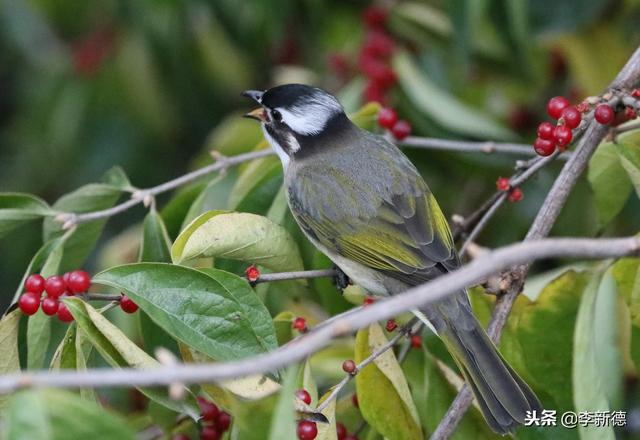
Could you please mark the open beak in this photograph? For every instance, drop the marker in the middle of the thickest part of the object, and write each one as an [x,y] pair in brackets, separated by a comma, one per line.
[258,114]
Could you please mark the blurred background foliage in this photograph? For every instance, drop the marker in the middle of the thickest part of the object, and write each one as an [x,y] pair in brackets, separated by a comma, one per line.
[152,86]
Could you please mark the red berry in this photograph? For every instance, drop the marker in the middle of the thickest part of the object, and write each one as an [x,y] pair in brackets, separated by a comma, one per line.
[556,105]
[502,184]
[354,400]
[375,16]
[378,44]
[252,273]
[128,305]
[349,366]
[544,147]
[341,430]
[209,433]
[562,135]
[401,130]
[300,324]
[391,325]
[630,113]
[604,114]
[416,341]
[64,314]
[571,116]
[224,421]
[515,195]
[635,93]
[307,430]
[50,306]
[55,286]
[34,284]
[545,130]
[208,409]
[78,281]
[304,395]
[65,277]
[29,303]
[368,300]
[387,117]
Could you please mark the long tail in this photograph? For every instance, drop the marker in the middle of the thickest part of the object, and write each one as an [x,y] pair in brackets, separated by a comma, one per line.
[502,395]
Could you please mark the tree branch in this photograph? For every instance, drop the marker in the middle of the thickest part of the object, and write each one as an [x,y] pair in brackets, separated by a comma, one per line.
[472,147]
[145,196]
[628,77]
[319,337]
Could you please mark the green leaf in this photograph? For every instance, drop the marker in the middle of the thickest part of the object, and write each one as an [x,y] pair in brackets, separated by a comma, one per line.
[239,236]
[72,354]
[92,197]
[596,353]
[433,394]
[155,247]
[117,178]
[257,186]
[213,311]
[283,419]
[627,275]
[630,160]
[234,135]
[282,323]
[174,212]
[610,183]
[367,116]
[383,392]
[548,354]
[10,360]
[65,356]
[214,196]
[17,209]
[120,351]
[443,108]
[60,415]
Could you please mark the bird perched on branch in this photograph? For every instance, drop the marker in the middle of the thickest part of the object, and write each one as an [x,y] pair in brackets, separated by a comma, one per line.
[361,202]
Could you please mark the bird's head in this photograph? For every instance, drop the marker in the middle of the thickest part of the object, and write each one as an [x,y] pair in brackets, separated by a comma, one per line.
[295,115]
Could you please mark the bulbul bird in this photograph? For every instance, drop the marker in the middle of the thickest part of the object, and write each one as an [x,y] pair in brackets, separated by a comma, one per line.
[362,203]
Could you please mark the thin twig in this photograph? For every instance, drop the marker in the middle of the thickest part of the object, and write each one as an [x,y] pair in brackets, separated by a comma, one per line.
[628,77]
[70,219]
[284,276]
[318,338]
[472,147]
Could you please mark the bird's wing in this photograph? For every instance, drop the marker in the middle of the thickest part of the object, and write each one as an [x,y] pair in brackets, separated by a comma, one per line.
[406,236]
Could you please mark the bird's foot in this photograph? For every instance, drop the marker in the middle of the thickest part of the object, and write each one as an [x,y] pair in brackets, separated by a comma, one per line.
[340,279]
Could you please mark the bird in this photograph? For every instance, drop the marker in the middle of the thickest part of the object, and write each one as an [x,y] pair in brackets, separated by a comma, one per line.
[361,202]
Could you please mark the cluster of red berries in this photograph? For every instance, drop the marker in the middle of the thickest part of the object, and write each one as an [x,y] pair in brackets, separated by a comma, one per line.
[72,283]
[373,59]
[515,194]
[388,119]
[214,421]
[569,117]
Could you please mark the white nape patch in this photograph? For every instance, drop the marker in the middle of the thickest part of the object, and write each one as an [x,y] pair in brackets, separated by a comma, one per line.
[284,157]
[311,117]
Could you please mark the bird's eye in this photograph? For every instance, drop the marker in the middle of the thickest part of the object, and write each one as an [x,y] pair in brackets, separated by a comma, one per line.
[276,115]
